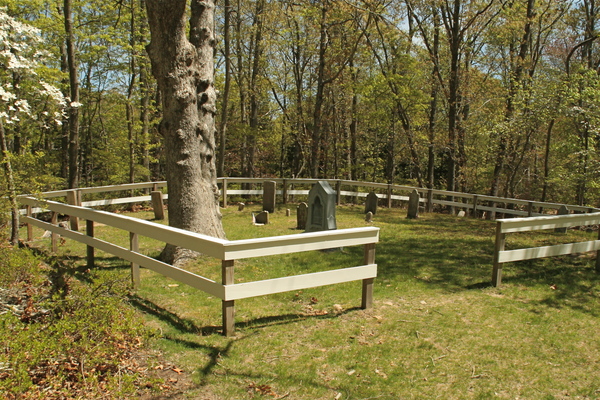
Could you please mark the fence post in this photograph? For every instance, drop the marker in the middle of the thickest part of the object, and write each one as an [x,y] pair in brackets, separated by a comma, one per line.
[475,201]
[89,230]
[73,199]
[134,245]
[157,204]
[227,270]
[598,256]
[430,200]
[530,209]
[29,226]
[389,196]
[224,192]
[54,236]
[367,284]
[499,246]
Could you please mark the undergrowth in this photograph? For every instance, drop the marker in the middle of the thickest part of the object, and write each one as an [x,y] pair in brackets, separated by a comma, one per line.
[63,336]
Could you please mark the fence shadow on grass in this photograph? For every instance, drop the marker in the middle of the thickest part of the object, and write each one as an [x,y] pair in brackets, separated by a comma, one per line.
[453,254]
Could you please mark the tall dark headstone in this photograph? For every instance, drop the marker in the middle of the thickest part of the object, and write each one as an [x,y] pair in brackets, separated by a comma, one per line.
[371,203]
[321,208]
[301,213]
[269,191]
[563,210]
[413,205]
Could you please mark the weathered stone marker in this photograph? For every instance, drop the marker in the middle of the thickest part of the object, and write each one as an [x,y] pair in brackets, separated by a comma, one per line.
[301,213]
[563,210]
[241,206]
[262,218]
[369,217]
[321,208]
[269,191]
[157,204]
[371,203]
[413,205]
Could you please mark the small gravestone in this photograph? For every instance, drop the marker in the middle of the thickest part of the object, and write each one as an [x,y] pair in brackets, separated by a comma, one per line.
[261,218]
[301,213]
[287,212]
[563,210]
[461,213]
[241,206]
[369,217]
[413,205]
[371,203]
[321,208]
[269,190]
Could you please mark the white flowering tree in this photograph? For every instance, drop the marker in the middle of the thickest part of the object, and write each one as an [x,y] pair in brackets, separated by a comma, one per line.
[24,95]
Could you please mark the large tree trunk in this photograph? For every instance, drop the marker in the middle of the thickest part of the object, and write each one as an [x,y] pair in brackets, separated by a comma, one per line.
[184,71]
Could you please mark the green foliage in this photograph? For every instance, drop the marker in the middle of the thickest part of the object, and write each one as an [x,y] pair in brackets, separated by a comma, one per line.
[61,337]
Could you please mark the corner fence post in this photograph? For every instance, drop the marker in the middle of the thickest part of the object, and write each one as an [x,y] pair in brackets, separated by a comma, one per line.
[598,256]
[499,246]
[29,226]
[228,306]
[367,284]
[73,198]
[89,230]
[224,192]
[429,200]
[134,245]
[54,236]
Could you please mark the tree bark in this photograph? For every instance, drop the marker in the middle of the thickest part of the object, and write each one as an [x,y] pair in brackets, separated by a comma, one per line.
[12,191]
[184,71]
[226,90]
[73,152]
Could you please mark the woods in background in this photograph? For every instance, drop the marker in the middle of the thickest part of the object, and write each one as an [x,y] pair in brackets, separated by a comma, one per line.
[496,97]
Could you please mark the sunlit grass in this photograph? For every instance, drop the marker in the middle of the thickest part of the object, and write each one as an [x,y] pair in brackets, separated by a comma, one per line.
[437,328]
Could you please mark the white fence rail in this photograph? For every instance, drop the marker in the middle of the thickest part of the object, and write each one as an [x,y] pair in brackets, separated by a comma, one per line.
[513,225]
[226,250]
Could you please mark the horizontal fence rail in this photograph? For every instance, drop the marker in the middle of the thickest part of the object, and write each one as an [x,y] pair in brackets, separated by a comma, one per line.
[513,225]
[226,250]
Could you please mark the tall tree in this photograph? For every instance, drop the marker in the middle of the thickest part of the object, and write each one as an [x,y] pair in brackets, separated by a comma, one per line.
[73,111]
[184,70]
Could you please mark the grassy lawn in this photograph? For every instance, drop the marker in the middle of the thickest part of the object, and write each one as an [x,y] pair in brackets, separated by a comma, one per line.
[437,328]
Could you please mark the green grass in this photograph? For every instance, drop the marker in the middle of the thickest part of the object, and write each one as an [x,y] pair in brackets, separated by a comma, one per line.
[437,328]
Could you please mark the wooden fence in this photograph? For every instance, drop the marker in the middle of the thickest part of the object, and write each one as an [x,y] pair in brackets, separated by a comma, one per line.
[512,225]
[229,251]
[471,203]
[225,250]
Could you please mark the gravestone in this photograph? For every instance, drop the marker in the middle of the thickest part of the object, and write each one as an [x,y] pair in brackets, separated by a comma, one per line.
[563,210]
[321,208]
[369,217]
[269,190]
[413,205]
[301,213]
[461,213]
[287,212]
[241,206]
[371,203]
[261,218]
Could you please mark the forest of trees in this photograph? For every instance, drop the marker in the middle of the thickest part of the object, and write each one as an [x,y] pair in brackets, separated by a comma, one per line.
[496,97]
